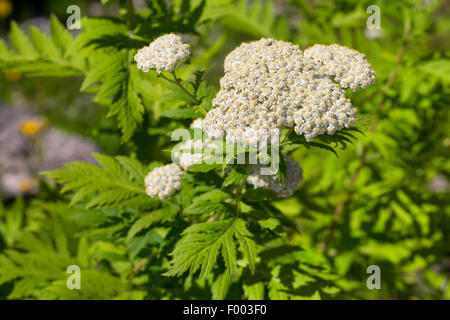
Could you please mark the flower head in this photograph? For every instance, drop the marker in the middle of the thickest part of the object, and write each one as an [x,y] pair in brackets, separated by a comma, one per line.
[270,85]
[32,127]
[197,124]
[163,53]
[18,182]
[13,75]
[191,152]
[188,153]
[163,181]
[348,67]
[294,176]
[26,185]
[6,8]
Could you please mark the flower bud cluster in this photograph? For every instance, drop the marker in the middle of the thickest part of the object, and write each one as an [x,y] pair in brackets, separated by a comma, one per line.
[163,53]
[197,124]
[163,181]
[294,176]
[192,152]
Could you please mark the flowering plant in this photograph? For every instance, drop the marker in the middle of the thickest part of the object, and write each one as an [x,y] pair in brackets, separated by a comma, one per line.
[230,175]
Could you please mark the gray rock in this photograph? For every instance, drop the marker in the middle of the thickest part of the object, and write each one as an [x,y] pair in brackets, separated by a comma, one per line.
[23,157]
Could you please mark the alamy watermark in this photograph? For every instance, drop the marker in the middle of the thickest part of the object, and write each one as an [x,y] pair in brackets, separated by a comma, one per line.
[235,147]
[74,280]
[74,20]
[374,281]
[374,20]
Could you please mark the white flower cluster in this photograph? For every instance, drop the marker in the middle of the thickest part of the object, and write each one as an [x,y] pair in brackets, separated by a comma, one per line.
[163,53]
[192,152]
[294,176]
[269,85]
[163,181]
[349,67]
[197,124]
[325,110]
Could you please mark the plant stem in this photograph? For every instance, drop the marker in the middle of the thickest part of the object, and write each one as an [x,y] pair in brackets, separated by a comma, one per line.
[288,133]
[131,14]
[239,195]
[177,81]
[139,266]
[170,204]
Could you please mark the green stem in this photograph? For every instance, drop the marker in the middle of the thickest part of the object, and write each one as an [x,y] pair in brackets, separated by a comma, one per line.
[139,266]
[170,204]
[177,81]
[131,14]
[239,195]
[288,133]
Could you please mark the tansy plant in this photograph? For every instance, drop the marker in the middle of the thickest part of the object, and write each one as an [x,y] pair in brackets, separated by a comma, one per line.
[189,205]
[210,209]
[268,86]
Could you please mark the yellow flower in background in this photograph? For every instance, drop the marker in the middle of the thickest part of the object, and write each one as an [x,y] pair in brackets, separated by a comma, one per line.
[5,8]
[26,185]
[13,75]
[32,127]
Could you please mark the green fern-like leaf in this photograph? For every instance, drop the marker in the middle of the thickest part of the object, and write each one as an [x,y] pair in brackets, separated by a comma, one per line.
[254,291]
[149,219]
[201,244]
[110,51]
[257,19]
[39,54]
[38,270]
[119,182]
[220,287]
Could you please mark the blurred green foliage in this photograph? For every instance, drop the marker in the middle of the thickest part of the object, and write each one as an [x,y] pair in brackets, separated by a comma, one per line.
[383,200]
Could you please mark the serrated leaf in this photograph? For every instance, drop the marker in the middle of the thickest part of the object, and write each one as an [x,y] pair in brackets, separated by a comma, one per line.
[205,207]
[221,286]
[44,44]
[5,52]
[234,177]
[250,18]
[21,42]
[111,185]
[201,244]
[204,167]
[61,36]
[270,223]
[90,217]
[146,221]
[40,55]
[186,113]
[254,291]
[213,196]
